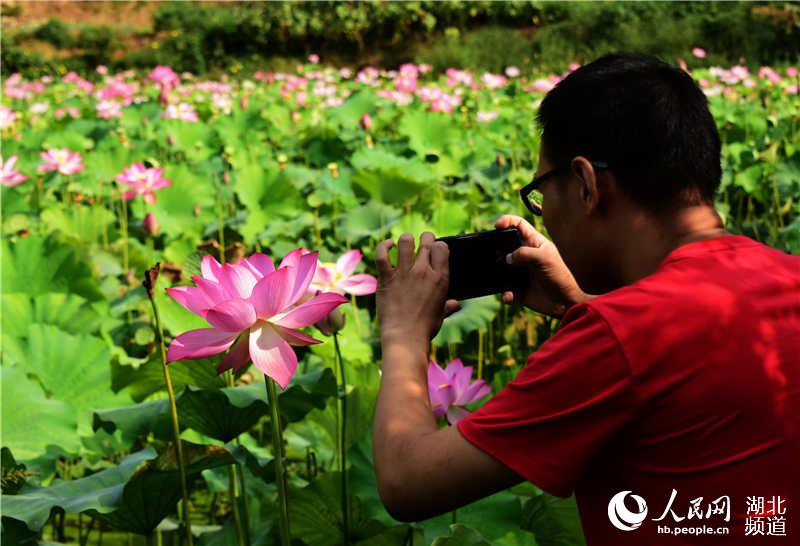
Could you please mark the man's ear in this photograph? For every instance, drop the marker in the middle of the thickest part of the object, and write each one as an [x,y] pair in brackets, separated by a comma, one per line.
[588,190]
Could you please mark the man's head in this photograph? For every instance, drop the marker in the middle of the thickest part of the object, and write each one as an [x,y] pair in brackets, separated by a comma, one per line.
[650,123]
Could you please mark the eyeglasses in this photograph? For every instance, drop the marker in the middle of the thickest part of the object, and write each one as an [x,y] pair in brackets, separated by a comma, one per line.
[531,195]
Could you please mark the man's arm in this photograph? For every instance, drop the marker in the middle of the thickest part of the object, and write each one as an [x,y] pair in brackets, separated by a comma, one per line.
[423,471]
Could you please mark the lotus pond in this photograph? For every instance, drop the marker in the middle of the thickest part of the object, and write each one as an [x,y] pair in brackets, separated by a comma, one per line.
[264,198]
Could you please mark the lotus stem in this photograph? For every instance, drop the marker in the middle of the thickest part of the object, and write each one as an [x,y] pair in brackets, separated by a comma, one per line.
[175,425]
[123,226]
[277,448]
[245,509]
[233,492]
[342,438]
[480,354]
[220,229]
[242,530]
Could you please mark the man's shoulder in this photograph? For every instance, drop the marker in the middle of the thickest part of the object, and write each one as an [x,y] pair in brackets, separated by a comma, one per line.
[702,280]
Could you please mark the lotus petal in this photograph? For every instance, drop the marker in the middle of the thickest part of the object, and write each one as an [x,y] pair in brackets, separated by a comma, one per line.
[272,355]
[309,312]
[200,343]
[232,316]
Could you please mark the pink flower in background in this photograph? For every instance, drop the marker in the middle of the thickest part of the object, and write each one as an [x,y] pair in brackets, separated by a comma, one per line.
[406,80]
[70,111]
[365,121]
[338,277]
[9,176]
[699,52]
[164,76]
[256,303]
[102,69]
[108,109]
[450,389]
[182,111]
[791,71]
[7,117]
[64,161]
[144,180]
[313,58]
[486,117]
[39,107]
[541,86]
[117,90]
[455,77]
[150,225]
[166,79]
[493,81]
[368,76]
[512,71]
[768,73]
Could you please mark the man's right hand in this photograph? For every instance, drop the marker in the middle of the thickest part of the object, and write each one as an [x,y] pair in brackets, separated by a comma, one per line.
[552,289]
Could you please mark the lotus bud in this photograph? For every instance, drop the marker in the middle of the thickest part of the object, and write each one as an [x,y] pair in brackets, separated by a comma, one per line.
[296,116]
[332,323]
[334,168]
[365,122]
[196,209]
[150,226]
[226,177]
[243,102]
[282,161]
[171,140]
[501,159]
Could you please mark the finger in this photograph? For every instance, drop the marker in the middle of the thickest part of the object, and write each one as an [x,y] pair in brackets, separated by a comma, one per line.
[525,255]
[382,258]
[507,297]
[423,253]
[440,258]
[529,233]
[450,307]
[405,252]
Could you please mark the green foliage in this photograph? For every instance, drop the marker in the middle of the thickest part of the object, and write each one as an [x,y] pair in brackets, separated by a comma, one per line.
[480,35]
[55,33]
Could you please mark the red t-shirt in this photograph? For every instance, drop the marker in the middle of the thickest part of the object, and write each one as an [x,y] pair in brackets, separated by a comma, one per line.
[688,379]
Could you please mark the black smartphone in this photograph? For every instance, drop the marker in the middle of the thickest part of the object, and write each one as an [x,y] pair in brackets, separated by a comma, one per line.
[478,263]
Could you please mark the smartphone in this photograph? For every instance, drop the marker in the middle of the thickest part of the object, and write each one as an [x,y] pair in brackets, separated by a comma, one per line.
[478,263]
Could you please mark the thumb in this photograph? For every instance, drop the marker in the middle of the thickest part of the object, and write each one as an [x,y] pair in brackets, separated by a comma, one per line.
[525,255]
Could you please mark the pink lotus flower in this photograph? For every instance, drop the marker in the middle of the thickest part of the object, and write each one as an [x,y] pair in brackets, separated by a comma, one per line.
[699,52]
[365,121]
[70,111]
[512,71]
[108,109]
[486,117]
[164,76]
[9,176]
[493,81]
[144,180]
[64,161]
[450,389]
[7,117]
[254,302]
[791,71]
[182,111]
[338,277]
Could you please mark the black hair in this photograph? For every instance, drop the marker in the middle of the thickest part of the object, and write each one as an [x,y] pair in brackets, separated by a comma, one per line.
[647,119]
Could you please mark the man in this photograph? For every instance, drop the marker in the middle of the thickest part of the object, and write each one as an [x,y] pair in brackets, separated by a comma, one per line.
[669,398]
